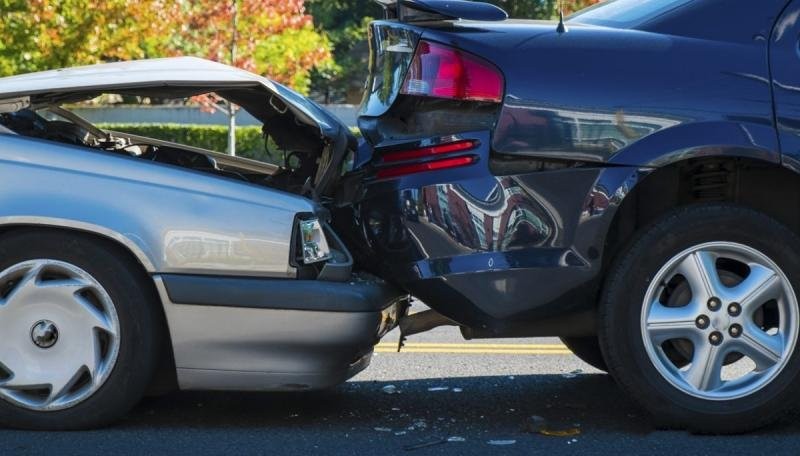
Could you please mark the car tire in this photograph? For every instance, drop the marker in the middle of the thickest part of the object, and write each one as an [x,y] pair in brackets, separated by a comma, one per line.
[588,350]
[658,338]
[90,310]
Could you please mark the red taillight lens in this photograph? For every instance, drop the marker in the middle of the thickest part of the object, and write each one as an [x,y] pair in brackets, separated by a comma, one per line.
[446,163]
[424,152]
[444,72]
[427,152]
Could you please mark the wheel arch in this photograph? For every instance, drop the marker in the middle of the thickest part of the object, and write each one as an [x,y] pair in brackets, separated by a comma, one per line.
[165,378]
[121,240]
[751,182]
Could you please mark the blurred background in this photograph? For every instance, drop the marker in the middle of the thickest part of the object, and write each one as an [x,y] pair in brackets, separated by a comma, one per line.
[317,47]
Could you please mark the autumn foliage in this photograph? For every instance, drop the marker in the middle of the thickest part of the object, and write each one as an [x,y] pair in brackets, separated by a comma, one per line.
[274,37]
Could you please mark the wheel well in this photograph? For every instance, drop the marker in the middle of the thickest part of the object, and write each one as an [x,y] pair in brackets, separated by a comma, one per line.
[766,187]
[165,378]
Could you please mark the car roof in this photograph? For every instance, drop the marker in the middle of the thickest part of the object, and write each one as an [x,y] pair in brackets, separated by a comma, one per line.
[172,71]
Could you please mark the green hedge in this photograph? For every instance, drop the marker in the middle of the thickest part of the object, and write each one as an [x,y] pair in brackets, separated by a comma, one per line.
[249,142]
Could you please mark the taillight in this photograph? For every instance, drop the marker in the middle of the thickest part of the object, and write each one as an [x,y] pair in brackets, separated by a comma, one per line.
[405,168]
[425,152]
[443,72]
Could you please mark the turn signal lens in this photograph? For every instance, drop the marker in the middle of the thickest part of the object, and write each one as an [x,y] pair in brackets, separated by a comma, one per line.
[443,72]
[313,242]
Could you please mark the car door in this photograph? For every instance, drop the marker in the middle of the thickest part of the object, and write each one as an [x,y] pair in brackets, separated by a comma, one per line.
[785,67]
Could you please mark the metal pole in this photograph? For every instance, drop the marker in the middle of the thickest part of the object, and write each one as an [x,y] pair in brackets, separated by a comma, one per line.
[231,108]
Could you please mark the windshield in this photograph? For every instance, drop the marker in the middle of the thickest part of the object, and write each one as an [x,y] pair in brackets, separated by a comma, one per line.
[625,13]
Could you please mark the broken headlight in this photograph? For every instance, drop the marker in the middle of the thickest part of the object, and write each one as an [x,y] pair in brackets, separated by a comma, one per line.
[313,244]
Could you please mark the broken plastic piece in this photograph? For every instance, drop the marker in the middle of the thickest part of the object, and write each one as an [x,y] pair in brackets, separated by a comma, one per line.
[501,442]
[560,433]
[390,389]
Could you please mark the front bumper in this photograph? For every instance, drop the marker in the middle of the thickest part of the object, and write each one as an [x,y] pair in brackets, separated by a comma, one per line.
[274,334]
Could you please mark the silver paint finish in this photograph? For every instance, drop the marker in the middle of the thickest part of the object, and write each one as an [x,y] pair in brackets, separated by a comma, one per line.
[266,349]
[60,333]
[720,321]
[172,219]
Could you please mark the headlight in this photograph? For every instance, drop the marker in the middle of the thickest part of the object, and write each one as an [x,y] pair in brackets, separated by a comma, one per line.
[313,243]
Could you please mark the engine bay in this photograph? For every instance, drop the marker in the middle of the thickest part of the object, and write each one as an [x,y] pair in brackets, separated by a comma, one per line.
[307,159]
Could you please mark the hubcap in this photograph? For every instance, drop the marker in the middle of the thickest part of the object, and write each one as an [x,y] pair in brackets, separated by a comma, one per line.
[60,335]
[720,321]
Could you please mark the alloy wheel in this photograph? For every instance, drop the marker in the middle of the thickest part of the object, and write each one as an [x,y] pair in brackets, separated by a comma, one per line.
[719,321]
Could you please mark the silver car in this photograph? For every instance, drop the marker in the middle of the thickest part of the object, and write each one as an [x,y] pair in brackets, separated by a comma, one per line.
[128,263]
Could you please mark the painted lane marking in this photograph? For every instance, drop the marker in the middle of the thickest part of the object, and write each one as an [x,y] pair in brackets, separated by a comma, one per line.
[456,348]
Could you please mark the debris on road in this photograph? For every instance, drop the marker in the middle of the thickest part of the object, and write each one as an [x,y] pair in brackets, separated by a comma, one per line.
[418,424]
[501,442]
[390,389]
[572,374]
[538,425]
[560,432]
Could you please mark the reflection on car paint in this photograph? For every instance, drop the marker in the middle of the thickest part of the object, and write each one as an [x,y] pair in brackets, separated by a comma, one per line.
[506,218]
[590,134]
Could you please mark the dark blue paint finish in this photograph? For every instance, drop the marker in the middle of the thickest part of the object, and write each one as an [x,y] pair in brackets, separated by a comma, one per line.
[785,62]
[488,250]
[457,9]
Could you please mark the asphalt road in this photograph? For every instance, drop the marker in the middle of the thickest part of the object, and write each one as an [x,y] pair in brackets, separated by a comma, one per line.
[481,396]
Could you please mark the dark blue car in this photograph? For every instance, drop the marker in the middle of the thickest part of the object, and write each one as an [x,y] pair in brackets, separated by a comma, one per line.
[626,179]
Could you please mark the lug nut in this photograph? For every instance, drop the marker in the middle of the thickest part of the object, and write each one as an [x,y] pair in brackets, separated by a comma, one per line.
[702,322]
[714,304]
[715,338]
[734,309]
[735,330]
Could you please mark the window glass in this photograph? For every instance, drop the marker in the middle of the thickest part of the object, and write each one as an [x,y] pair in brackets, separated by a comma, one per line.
[625,13]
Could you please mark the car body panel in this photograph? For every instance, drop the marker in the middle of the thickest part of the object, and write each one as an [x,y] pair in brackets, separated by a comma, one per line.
[591,113]
[277,345]
[180,221]
[244,311]
[785,62]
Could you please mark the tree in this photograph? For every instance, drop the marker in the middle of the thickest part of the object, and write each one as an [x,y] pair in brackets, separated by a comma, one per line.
[541,9]
[273,37]
[279,38]
[45,34]
[345,23]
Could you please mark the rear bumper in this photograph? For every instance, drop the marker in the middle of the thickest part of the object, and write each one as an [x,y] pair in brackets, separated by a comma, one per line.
[274,334]
[503,254]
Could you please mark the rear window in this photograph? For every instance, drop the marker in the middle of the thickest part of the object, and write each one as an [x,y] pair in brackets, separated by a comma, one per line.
[625,13]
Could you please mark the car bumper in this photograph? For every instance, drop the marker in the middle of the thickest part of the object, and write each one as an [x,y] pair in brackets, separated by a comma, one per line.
[274,334]
[506,254]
